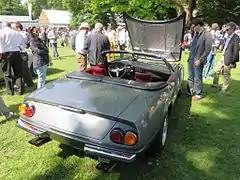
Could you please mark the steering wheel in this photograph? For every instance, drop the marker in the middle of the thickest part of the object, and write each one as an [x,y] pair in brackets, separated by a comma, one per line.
[117,69]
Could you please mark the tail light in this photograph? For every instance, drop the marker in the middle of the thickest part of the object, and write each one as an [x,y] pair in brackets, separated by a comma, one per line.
[26,110]
[129,138]
[116,136]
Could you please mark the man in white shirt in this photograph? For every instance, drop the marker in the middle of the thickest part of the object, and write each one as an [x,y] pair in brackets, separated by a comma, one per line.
[27,76]
[11,61]
[80,42]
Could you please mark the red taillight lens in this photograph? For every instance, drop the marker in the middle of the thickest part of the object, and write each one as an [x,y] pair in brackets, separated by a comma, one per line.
[26,110]
[116,136]
[29,112]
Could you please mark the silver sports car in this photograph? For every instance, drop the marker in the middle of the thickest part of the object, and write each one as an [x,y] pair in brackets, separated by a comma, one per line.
[113,111]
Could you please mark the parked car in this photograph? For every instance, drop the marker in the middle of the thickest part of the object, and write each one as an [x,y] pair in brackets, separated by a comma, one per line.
[113,111]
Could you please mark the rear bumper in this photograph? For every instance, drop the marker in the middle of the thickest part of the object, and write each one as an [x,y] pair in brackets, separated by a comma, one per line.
[90,150]
[108,154]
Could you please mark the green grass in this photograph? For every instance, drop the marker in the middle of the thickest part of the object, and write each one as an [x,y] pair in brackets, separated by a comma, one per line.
[204,142]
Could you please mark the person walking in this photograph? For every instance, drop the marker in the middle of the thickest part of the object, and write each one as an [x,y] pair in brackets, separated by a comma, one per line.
[11,61]
[40,56]
[53,37]
[27,75]
[208,67]
[199,50]
[229,58]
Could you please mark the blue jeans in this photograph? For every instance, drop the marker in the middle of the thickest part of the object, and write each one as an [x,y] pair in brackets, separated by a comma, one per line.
[208,67]
[55,52]
[42,73]
[195,78]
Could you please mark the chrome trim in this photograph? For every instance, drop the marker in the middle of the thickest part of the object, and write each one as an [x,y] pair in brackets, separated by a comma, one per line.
[72,109]
[21,125]
[117,156]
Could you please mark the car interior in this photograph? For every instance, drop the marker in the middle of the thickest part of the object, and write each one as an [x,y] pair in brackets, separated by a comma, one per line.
[138,71]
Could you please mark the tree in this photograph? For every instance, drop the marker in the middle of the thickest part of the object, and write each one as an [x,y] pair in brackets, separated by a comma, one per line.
[105,10]
[38,5]
[12,7]
[219,11]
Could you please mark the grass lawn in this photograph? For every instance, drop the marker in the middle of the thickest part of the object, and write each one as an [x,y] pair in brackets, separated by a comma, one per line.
[204,141]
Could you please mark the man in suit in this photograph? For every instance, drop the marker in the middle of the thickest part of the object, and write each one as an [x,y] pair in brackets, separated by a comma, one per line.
[199,50]
[96,43]
[229,58]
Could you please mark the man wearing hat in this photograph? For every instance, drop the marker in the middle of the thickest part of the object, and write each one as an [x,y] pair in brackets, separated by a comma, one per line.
[79,44]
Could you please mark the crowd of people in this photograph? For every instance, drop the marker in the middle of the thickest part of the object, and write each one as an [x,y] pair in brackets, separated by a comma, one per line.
[202,43]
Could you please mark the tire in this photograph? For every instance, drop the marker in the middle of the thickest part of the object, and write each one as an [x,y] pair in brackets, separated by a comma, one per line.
[159,142]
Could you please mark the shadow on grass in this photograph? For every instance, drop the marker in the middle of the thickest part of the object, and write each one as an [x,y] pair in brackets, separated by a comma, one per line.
[52,70]
[58,173]
[69,151]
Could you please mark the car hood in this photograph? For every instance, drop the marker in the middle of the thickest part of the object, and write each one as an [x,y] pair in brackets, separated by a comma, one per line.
[158,37]
[92,96]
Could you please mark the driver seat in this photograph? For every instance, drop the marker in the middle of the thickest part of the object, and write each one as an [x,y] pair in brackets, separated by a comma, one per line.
[143,77]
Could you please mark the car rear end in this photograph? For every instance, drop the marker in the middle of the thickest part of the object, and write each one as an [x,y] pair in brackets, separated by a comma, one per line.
[100,134]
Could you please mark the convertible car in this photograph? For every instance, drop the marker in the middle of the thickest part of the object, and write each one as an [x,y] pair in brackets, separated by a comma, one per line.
[113,111]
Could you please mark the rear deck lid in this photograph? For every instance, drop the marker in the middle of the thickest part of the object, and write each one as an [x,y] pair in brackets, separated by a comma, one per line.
[92,96]
[162,38]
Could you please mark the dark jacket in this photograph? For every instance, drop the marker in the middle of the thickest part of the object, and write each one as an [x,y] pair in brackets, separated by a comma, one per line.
[95,44]
[204,47]
[231,55]
[40,52]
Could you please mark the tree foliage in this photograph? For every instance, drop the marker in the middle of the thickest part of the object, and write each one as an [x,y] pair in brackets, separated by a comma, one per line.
[220,11]
[38,5]
[12,7]
[105,10]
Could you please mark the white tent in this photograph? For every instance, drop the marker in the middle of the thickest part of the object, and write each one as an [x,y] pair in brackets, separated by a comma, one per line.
[24,20]
[56,18]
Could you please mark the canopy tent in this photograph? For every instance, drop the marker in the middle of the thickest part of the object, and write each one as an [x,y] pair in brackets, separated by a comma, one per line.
[159,37]
[24,20]
[56,18]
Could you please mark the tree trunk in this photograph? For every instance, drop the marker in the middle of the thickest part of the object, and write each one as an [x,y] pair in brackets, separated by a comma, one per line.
[189,10]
